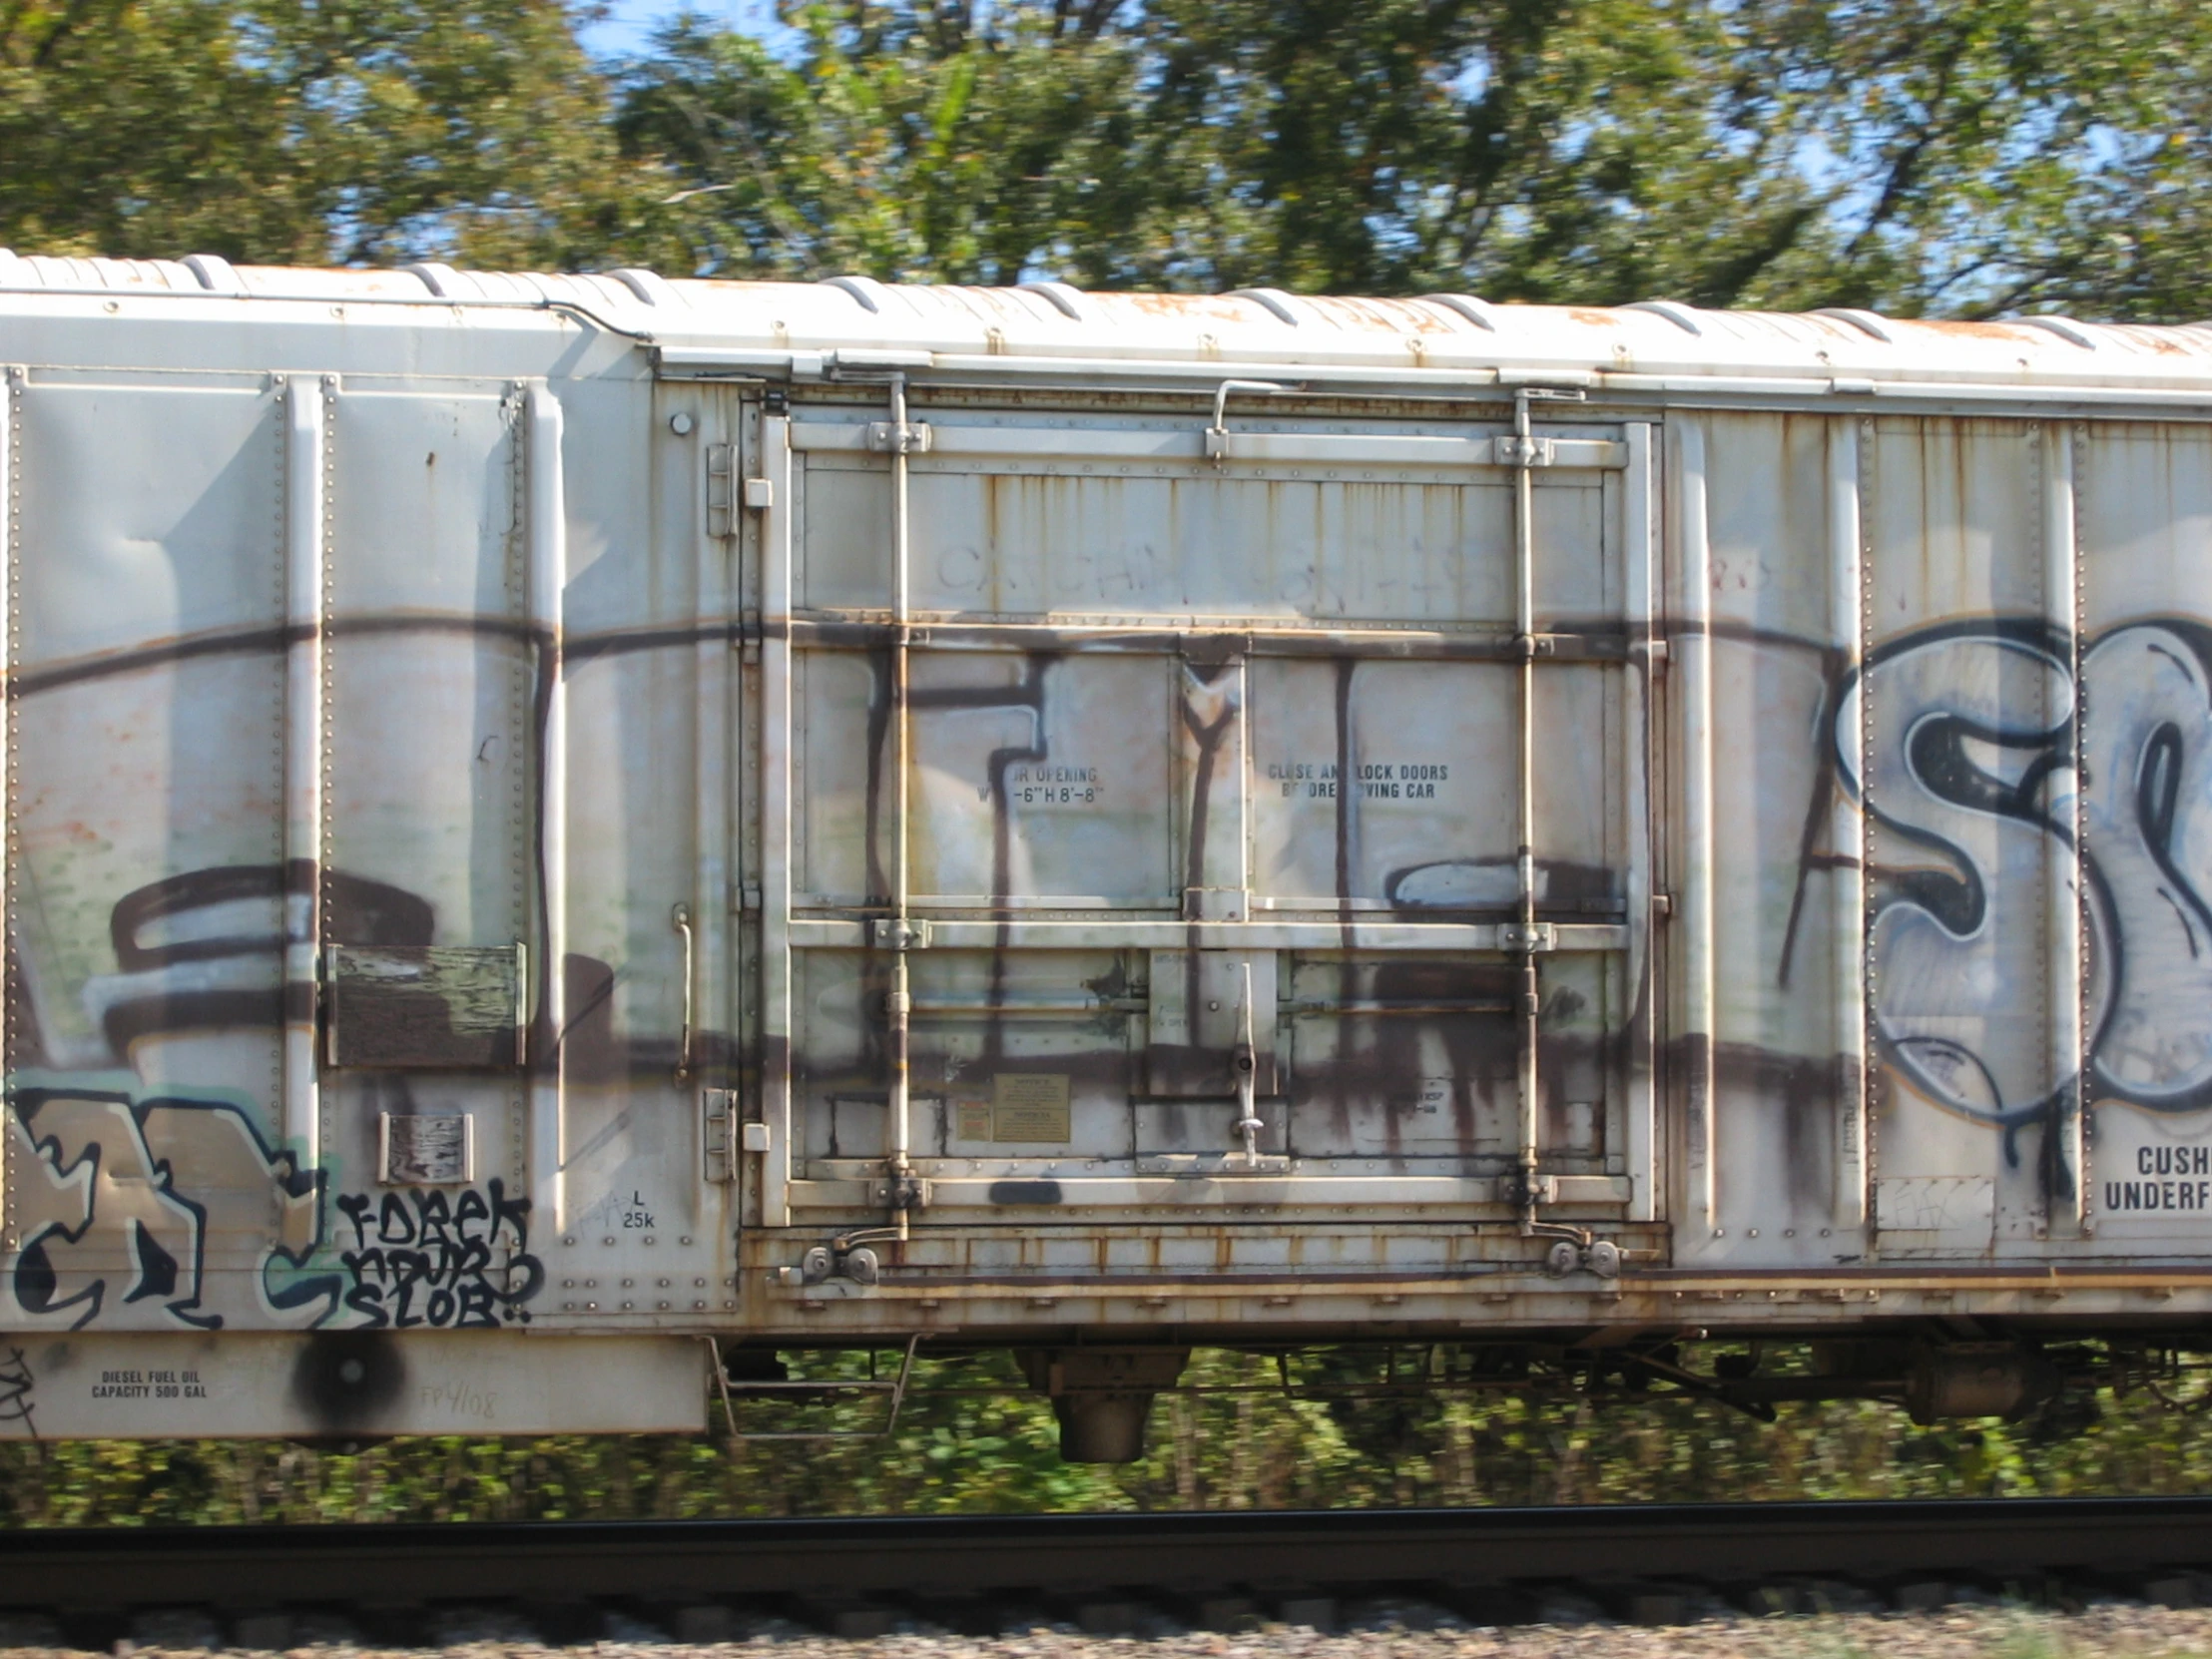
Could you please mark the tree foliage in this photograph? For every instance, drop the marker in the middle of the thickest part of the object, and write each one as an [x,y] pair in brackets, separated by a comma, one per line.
[1972,157]
[1962,157]
[973,1441]
[301,130]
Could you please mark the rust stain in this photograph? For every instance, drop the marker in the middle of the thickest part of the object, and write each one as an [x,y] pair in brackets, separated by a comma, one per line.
[1196,307]
[1398,315]
[2007,332]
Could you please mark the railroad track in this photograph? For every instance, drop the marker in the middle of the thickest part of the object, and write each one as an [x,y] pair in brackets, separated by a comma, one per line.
[1107,1573]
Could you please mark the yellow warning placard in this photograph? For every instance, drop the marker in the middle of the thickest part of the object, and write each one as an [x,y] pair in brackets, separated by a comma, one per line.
[1030,1106]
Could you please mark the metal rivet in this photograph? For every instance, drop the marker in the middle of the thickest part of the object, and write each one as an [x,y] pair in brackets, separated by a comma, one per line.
[662,1306]
[1755,1233]
[627,1283]
[628,1306]
[663,1284]
[591,1306]
[699,1284]
[649,1240]
[685,1240]
[568,1240]
[609,1242]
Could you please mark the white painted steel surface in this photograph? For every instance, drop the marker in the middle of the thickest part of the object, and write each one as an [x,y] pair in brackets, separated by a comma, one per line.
[453,635]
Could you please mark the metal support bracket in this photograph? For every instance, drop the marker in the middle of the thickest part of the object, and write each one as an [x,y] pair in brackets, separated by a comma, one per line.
[1519,452]
[718,1129]
[905,1191]
[1528,937]
[721,489]
[1216,435]
[895,1388]
[897,437]
[899,934]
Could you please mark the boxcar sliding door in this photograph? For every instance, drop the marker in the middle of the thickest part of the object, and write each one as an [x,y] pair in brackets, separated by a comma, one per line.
[1214,772]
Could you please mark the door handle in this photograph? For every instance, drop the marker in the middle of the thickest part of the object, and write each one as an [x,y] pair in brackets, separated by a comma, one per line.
[681,917]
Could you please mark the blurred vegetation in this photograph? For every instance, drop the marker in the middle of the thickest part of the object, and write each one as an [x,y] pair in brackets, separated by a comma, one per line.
[1962,157]
[997,1453]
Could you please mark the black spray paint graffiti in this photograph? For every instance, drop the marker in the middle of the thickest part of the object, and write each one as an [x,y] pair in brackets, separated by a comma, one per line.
[16,1385]
[1970,734]
[446,1262]
[103,1212]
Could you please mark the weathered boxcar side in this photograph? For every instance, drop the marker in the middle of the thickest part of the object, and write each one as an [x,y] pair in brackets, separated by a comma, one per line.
[608,821]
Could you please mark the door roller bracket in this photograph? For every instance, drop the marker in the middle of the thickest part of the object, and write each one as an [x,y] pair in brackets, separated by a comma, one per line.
[1600,1255]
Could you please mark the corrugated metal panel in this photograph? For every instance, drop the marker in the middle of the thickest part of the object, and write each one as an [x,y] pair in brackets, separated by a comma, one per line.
[1050,321]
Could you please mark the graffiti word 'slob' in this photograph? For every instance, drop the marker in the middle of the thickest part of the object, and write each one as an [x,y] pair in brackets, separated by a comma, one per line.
[421,1258]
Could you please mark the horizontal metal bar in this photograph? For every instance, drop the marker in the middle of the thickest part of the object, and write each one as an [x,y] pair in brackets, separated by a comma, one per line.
[869,630]
[65,1569]
[1726,383]
[1021,934]
[1028,1011]
[1371,1010]
[1095,444]
[1308,1183]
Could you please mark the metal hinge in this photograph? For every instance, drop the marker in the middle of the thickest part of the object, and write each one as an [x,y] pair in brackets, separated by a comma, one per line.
[1662,904]
[719,1132]
[892,934]
[886,437]
[721,485]
[1537,935]
[1514,451]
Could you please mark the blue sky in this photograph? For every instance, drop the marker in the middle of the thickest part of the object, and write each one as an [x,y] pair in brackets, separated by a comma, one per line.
[629,23]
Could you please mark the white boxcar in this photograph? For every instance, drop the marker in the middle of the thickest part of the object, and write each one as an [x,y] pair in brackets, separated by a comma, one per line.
[551,818]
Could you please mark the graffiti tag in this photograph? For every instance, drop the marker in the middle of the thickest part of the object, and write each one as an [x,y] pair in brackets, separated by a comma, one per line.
[16,1384]
[1971,741]
[438,1259]
[118,1205]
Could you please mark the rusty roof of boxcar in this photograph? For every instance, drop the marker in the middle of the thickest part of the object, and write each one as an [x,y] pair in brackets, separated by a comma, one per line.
[1043,321]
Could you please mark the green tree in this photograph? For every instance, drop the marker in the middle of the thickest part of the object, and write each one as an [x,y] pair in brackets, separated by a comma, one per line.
[304,130]
[1960,156]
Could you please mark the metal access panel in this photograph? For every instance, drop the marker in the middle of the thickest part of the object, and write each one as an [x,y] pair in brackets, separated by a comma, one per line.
[2035,719]
[1212,809]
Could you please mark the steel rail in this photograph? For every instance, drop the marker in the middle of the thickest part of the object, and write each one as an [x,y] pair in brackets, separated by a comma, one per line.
[68,1569]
